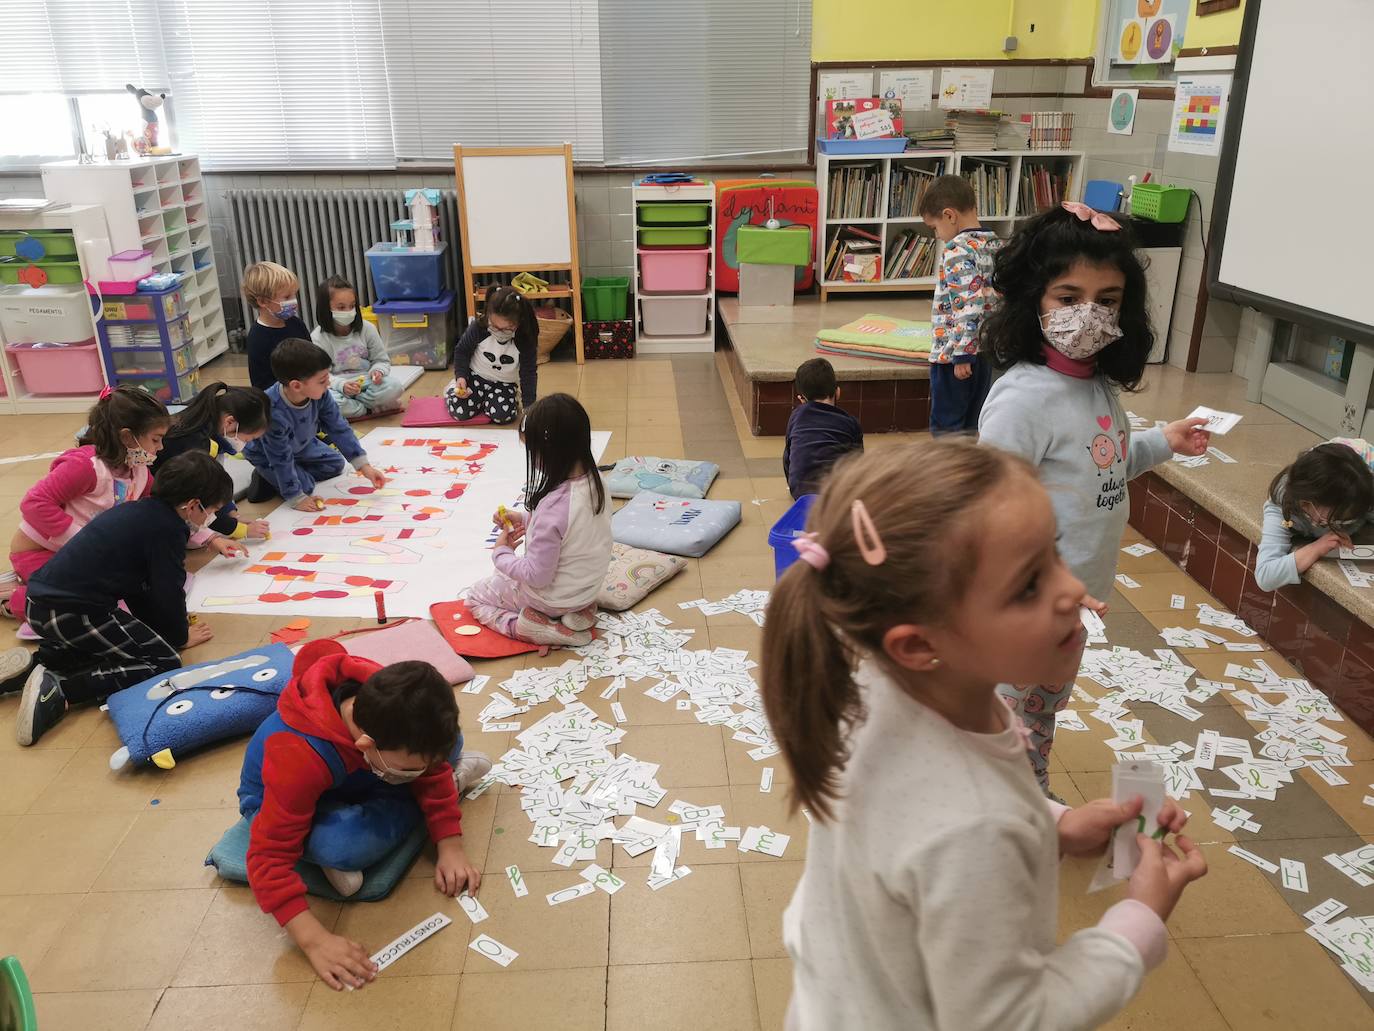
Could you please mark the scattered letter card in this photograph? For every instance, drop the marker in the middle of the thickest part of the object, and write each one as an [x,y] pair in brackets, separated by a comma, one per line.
[517,881]
[493,949]
[1219,423]
[472,908]
[426,928]
[1293,874]
[1128,780]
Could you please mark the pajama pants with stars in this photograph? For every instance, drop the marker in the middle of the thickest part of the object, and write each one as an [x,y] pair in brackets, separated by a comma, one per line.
[1036,706]
[499,402]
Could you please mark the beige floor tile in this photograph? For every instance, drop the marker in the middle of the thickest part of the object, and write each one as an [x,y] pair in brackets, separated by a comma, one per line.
[1172,996]
[40,856]
[478,816]
[573,934]
[644,996]
[29,924]
[252,1007]
[207,780]
[126,1010]
[26,775]
[689,756]
[1158,587]
[413,1003]
[237,943]
[1347,799]
[1236,898]
[128,939]
[700,917]
[773,989]
[164,849]
[73,732]
[751,807]
[373,925]
[745,771]
[532,1000]
[1276,982]
[510,844]
[86,784]
[768,889]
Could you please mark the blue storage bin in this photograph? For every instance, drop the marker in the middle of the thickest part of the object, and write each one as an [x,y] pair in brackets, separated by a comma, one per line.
[405,274]
[1102,194]
[786,530]
[851,148]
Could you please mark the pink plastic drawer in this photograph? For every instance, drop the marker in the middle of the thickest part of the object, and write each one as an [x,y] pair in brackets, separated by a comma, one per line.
[59,368]
[673,271]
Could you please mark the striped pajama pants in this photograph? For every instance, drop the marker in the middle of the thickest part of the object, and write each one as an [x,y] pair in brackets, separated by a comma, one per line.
[95,654]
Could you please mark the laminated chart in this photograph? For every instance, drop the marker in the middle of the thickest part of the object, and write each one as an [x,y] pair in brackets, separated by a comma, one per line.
[424,537]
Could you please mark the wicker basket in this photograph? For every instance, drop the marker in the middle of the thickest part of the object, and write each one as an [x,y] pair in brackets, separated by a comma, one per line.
[552,331]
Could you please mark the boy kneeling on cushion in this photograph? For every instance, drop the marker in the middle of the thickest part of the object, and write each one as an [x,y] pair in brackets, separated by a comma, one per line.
[355,756]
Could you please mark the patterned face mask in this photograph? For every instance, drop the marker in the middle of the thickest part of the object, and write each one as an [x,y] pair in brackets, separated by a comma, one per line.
[140,456]
[1080,331]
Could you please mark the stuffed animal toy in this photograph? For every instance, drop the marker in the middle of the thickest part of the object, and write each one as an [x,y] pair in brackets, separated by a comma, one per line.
[148,103]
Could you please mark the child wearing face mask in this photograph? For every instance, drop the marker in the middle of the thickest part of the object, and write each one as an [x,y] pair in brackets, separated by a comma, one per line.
[271,290]
[356,756]
[220,422]
[498,353]
[124,431]
[360,376]
[1326,497]
[88,645]
[1073,331]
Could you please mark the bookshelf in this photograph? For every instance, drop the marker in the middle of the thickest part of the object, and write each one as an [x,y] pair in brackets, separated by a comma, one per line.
[877,194]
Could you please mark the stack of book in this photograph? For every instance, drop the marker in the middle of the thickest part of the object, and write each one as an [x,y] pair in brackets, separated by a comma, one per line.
[990,181]
[974,130]
[912,256]
[931,139]
[1013,132]
[907,186]
[855,256]
[1051,130]
[1041,189]
[854,191]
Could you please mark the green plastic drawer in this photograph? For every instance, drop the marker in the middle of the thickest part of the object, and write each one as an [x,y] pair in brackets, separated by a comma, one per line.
[44,245]
[54,271]
[676,213]
[788,246]
[697,236]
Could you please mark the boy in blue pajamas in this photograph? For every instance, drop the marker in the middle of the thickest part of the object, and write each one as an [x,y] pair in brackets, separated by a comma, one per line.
[290,456]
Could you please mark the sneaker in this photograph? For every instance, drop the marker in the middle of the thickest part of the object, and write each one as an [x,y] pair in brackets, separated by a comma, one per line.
[469,770]
[6,609]
[15,666]
[346,882]
[582,619]
[537,628]
[259,489]
[41,706]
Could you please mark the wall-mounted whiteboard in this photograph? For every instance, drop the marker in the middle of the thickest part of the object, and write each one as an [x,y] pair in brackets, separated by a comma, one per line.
[516,207]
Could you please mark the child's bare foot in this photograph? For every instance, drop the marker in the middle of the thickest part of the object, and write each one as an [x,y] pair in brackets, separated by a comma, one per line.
[537,628]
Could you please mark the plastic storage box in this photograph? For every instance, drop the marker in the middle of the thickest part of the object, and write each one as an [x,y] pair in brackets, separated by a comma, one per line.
[417,332]
[786,530]
[151,361]
[604,298]
[676,213]
[37,244]
[405,274]
[675,236]
[1102,194]
[675,316]
[143,307]
[39,273]
[882,145]
[1160,203]
[673,272]
[52,314]
[59,368]
[131,266]
[166,390]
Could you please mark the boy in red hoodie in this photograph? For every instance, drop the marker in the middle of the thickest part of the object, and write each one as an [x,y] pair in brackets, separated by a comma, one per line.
[355,756]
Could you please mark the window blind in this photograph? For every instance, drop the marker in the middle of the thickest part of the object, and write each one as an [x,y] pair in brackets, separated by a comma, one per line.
[260,84]
[705,82]
[77,46]
[493,73]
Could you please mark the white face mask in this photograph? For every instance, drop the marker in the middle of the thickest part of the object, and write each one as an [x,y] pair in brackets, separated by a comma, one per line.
[232,438]
[502,336]
[346,317]
[1080,331]
[386,773]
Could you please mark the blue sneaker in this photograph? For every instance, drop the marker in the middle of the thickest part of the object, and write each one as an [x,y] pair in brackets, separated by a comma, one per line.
[41,706]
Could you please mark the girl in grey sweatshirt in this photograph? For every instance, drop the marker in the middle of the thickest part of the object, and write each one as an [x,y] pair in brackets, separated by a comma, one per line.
[1072,331]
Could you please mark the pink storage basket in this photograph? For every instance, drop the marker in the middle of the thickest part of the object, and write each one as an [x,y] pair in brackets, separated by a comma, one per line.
[673,271]
[59,369]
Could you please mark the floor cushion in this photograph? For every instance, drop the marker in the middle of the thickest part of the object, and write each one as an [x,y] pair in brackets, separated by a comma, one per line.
[634,574]
[451,616]
[433,411]
[679,526]
[412,639]
[675,477]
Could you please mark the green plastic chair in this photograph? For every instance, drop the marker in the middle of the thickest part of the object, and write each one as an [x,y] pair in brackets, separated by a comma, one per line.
[16,1000]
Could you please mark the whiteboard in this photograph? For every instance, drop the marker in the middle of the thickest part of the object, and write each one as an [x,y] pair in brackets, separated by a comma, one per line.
[1295,228]
[516,209]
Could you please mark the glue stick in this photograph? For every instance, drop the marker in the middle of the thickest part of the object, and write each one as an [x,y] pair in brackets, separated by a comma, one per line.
[381,606]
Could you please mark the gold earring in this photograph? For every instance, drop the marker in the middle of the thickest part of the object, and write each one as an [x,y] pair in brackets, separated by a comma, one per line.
[934,663]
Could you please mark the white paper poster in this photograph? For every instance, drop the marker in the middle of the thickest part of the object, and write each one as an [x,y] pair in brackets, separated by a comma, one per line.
[843,86]
[1159,40]
[965,89]
[913,88]
[1199,116]
[1121,116]
[1128,41]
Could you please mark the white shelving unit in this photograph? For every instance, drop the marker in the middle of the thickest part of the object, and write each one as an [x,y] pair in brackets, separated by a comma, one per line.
[952,162]
[86,223]
[156,204]
[646,343]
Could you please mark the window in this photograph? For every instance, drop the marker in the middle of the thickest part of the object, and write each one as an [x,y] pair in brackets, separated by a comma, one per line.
[36,127]
[708,81]
[1120,50]
[493,74]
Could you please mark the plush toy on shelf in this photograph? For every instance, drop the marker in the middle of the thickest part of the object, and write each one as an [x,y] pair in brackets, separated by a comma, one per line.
[148,104]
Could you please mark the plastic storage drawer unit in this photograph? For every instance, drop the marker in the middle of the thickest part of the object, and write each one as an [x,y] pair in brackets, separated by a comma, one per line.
[143,307]
[405,274]
[673,272]
[150,361]
[417,332]
[675,316]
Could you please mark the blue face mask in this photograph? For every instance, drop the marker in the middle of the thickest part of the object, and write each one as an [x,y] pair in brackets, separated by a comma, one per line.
[288,310]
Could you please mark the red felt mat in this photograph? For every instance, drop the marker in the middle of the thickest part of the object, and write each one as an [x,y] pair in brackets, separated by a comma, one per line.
[486,644]
[433,411]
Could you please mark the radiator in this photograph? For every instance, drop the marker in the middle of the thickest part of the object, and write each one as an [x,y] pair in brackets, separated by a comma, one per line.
[321,233]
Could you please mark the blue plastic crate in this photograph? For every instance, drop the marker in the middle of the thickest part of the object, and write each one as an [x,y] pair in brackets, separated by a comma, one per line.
[405,274]
[855,148]
[786,530]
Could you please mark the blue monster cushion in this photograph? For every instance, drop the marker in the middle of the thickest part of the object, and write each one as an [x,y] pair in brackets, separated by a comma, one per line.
[230,858]
[679,526]
[176,712]
[674,477]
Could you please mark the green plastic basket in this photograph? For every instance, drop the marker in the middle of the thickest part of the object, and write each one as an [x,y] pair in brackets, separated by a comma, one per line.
[674,213]
[55,243]
[675,237]
[56,271]
[604,298]
[1160,203]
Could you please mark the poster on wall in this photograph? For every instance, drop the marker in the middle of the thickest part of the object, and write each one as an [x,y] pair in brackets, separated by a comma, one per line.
[1121,115]
[1128,42]
[844,85]
[965,89]
[1199,116]
[1159,40]
[913,87]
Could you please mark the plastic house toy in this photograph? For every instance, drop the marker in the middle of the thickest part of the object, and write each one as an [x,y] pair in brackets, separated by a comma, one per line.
[424,216]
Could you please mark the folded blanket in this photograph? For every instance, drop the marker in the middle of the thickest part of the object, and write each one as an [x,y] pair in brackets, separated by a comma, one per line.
[896,336]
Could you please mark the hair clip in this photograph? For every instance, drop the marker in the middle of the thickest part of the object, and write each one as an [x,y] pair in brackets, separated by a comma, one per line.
[106,392]
[1104,223]
[866,535]
[811,551]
